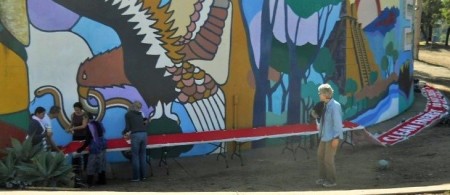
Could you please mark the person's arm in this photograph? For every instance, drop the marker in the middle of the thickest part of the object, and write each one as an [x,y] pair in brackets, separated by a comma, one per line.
[127,122]
[337,121]
[82,126]
[52,143]
[69,129]
[126,131]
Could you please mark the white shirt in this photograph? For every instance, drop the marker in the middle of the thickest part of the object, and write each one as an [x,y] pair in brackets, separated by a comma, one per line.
[41,121]
[47,123]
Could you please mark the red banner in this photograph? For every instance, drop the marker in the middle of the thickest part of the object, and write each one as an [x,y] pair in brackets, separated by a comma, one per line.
[435,109]
[239,135]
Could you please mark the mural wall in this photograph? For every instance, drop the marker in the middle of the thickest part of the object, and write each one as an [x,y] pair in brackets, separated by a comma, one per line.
[202,65]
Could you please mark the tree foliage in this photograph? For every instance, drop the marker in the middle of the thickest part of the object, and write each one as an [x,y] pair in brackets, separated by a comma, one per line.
[431,13]
[445,10]
[324,63]
[306,8]
[350,86]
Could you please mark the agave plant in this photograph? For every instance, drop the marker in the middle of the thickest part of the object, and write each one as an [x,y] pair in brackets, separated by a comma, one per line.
[46,169]
[23,152]
[26,164]
[17,153]
[7,171]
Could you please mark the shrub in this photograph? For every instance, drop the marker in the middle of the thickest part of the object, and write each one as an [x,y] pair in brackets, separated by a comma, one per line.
[28,165]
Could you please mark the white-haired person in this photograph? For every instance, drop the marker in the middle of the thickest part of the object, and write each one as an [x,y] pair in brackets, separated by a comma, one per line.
[330,134]
[136,130]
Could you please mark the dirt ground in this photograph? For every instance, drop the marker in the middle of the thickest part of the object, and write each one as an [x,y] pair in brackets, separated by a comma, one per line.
[421,160]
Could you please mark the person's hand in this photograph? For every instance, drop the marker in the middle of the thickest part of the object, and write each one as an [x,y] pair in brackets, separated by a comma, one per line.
[70,130]
[314,114]
[126,135]
[334,143]
[56,149]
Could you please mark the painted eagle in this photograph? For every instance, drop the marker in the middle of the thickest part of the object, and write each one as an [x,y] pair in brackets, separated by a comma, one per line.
[156,55]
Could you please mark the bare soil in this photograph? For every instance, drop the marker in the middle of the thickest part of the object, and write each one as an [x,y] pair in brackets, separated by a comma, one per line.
[419,161]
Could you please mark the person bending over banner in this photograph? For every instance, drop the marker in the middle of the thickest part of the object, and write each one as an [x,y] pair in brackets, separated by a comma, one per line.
[330,132]
[47,121]
[97,152]
[78,128]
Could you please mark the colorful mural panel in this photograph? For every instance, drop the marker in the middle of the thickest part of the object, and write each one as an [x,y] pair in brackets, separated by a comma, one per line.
[202,65]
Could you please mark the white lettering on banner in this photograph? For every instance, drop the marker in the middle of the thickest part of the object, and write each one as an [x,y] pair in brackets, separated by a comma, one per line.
[435,108]
[401,133]
[391,138]
[408,128]
[429,116]
[418,122]
[436,98]
[412,127]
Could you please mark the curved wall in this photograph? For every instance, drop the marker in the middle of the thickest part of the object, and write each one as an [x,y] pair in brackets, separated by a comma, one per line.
[202,65]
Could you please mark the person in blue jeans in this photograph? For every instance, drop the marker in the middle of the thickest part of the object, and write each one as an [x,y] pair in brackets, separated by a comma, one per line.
[135,127]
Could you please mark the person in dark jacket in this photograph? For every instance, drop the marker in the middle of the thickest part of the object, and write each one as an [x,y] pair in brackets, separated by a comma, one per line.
[36,131]
[96,141]
[136,130]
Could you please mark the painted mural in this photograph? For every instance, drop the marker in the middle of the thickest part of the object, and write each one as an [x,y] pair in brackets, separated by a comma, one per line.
[202,65]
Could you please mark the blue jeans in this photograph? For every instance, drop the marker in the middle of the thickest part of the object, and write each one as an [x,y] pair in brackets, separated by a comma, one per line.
[138,157]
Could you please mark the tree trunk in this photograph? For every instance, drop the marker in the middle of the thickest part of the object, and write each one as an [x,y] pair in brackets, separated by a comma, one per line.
[417,18]
[424,33]
[446,37]
[261,74]
[430,33]
[294,88]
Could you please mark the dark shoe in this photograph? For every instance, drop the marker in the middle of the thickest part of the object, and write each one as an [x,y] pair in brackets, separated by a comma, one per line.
[90,180]
[101,178]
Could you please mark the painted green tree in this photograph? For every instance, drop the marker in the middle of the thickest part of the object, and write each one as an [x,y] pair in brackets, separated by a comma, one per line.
[290,58]
[324,64]
[299,65]
[389,59]
[350,89]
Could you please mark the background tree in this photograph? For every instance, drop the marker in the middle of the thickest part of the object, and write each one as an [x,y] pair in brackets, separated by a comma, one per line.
[446,16]
[431,13]
[417,22]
